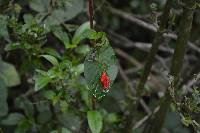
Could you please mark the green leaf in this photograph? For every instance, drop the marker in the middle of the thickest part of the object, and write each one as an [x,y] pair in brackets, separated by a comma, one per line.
[51,59]
[49,94]
[39,5]
[14,46]
[100,59]
[85,26]
[23,126]
[61,35]
[95,121]
[65,130]
[3,27]
[82,49]
[9,74]
[12,119]
[87,34]
[29,19]
[3,98]
[41,81]
[59,16]
[52,52]
[25,104]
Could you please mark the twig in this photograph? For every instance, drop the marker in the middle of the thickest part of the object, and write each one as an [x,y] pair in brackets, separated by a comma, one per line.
[144,119]
[177,62]
[118,39]
[131,90]
[148,26]
[138,65]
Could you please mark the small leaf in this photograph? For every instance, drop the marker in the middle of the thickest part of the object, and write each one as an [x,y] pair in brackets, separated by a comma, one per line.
[62,36]
[12,119]
[49,94]
[87,34]
[95,121]
[9,74]
[52,52]
[14,46]
[82,49]
[41,81]
[51,59]
[85,26]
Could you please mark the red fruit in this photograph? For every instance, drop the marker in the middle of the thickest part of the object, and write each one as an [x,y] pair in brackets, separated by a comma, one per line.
[105,81]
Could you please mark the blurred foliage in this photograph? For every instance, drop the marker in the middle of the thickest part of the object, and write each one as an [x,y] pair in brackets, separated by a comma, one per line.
[43,44]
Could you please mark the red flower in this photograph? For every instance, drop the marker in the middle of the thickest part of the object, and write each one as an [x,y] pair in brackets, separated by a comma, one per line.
[105,81]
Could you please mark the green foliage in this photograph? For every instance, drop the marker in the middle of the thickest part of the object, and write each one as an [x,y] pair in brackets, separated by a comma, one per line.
[9,74]
[95,121]
[100,59]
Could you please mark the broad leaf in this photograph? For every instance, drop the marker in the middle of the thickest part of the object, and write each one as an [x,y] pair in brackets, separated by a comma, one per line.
[12,119]
[9,74]
[95,121]
[39,5]
[59,16]
[100,59]
[62,36]
[85,26]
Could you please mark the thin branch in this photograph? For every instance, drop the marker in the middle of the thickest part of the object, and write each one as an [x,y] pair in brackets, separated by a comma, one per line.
[144,119]
[131,90]
[127,43]
[148,26]
[177,62]
[91,16]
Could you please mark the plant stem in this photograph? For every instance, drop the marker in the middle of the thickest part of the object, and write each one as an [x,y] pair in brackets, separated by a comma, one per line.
[154,49]
[177,62]
[91,16]
[151,56]
[91,13]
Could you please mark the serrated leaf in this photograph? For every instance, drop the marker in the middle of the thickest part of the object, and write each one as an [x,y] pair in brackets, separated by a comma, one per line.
[100,59]
[9,74]
[95,121]
[3,99]
[12,119]
[41,81]
[51,59]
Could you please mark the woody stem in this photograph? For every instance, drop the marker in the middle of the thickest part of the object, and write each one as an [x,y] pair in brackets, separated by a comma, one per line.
[91,15]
